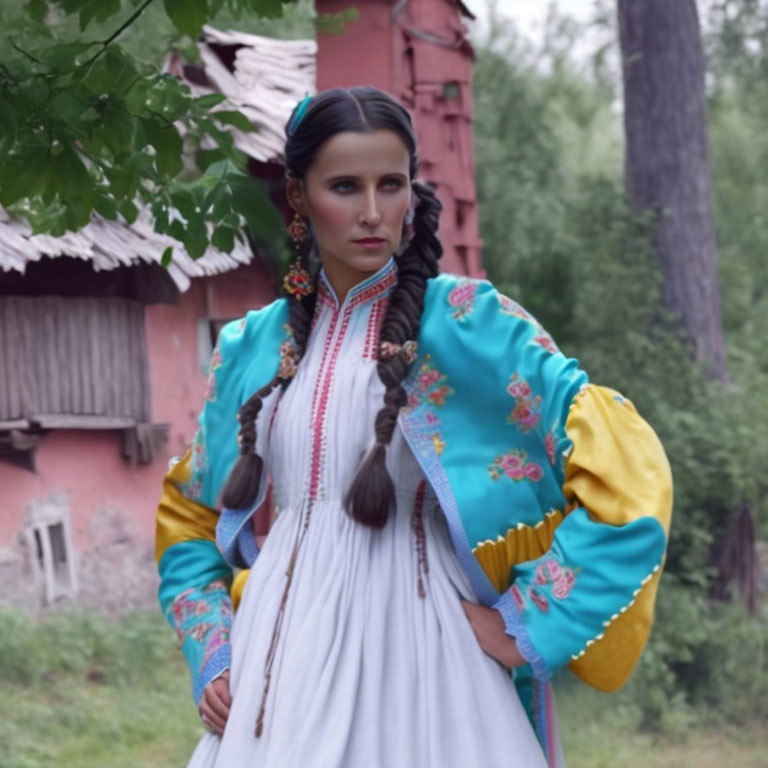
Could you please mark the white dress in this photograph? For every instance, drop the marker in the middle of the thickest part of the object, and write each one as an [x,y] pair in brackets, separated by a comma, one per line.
[365,671]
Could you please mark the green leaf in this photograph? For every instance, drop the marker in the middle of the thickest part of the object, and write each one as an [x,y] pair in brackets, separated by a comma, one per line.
[23,176]
[128,210]
[184,203]
[237,119]
[205,157]
[223,238]
[105,206]
[251,201]
[98,9]
[62,57]
[72,177]
[268,9]
[209,100]
[188,16]
[165,259]
[118,126]
[168,146]
[7,127]
[196,240]
[36,10]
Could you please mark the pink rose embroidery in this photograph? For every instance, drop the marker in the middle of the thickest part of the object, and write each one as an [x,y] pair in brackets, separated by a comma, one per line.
[462,299]
[527,411]
[549,444]
[515,466]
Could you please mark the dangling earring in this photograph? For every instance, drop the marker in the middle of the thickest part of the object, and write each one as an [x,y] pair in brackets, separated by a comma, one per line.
[297,282]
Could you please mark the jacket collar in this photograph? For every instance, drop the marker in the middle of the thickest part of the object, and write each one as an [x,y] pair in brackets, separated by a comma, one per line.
[374,286]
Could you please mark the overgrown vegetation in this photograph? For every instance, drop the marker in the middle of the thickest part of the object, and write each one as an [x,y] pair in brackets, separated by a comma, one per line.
[560,237]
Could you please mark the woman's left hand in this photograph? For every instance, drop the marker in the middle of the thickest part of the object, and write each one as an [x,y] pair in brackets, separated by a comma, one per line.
[489,628]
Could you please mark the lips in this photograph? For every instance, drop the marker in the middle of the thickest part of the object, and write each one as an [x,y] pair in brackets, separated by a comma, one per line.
[370,241]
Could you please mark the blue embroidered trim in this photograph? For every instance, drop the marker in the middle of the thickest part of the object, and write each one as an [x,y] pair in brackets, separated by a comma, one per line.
[246,545]
[231,531]
[417,434]
[219,661]
[515,627]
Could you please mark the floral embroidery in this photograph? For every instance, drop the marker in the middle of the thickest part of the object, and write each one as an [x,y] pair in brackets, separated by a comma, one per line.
[431,387]
[515,466]
[550,577]
[549,444]
[527,410]
[462,299]
[193,605]
[511,307]
[543,339]
[210,390]
[289,355]
[428,387]
[193,488]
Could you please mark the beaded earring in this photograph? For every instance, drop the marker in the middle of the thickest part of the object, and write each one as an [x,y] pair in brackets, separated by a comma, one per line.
[297,282]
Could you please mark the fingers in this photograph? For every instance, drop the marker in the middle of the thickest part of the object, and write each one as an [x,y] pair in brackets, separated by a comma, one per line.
[212,721]
[221,686]
[215,704]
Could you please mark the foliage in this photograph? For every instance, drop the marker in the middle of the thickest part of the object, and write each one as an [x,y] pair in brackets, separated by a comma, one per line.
[117,694]
[560,237]
[87,124]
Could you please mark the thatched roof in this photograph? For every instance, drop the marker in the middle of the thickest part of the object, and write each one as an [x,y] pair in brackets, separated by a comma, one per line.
[266,79]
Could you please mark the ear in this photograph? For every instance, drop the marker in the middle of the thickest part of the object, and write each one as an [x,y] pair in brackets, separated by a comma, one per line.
[294,192]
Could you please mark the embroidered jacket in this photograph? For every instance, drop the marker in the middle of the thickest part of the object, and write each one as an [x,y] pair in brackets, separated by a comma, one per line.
[557,493]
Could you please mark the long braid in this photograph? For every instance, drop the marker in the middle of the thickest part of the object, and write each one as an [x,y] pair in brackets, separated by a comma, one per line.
[372,492]
[242,486]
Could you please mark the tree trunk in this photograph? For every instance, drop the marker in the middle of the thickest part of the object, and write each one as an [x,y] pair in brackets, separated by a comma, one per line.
[667,163]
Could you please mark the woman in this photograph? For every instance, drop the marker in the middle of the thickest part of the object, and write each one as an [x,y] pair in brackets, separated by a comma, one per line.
[456,501]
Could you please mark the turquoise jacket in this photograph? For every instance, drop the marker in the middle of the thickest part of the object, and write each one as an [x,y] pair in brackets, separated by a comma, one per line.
[556,492]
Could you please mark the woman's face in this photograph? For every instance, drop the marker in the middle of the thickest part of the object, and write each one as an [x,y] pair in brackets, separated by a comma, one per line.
[356,194]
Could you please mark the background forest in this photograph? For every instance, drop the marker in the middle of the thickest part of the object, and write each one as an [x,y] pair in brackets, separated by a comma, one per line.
[559,236]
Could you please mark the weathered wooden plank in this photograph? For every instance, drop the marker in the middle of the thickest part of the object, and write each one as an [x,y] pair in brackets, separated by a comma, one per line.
[81,421]
[96,382]
[12,354]
[51,384]
[65,368]
[5,395]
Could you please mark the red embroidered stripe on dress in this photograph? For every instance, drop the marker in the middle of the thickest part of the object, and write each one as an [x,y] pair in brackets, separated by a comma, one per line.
[375,318]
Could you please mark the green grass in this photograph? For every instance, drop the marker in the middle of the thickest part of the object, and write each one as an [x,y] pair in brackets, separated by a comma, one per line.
[81,691]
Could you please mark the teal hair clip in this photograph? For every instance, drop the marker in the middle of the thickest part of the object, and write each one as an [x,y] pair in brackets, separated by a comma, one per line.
[298,115]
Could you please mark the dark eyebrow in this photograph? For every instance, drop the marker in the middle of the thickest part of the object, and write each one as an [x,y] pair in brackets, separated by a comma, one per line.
[348,176]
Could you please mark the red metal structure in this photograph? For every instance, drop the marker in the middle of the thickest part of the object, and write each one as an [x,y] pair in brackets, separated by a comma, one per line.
[418,51]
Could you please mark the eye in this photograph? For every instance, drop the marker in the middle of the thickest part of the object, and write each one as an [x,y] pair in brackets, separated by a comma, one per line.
[392,183]
[343,186]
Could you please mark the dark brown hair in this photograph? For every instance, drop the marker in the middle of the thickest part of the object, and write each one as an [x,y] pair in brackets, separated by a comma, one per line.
[371,494]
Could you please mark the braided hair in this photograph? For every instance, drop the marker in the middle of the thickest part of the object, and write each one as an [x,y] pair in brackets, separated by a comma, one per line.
[371,494]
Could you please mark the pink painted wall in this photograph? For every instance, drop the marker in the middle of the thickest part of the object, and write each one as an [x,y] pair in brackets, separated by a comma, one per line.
[422,57]
[88,465]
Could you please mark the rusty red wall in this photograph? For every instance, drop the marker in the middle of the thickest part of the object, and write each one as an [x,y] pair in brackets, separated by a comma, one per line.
[422,57]
[88,466]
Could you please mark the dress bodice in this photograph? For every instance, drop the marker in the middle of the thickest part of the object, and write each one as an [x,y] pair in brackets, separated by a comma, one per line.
[324,422]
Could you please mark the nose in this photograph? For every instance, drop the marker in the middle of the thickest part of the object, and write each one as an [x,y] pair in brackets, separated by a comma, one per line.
[370,215]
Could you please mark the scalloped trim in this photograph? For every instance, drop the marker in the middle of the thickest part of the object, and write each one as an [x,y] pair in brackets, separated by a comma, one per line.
[520,526]
[615,616]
